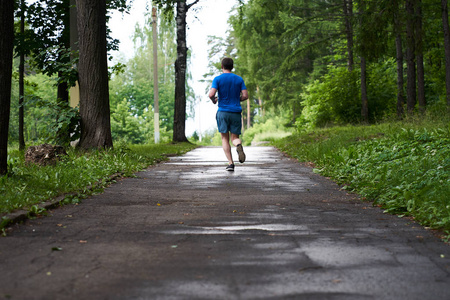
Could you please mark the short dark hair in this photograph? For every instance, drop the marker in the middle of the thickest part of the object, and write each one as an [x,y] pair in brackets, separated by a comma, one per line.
[227,63]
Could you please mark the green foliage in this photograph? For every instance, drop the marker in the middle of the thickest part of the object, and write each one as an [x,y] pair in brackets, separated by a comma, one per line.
[26,186]
[294,53]
[129,128]
[46,120]
[60,121]
[269,128]
[404,167]
[335,98]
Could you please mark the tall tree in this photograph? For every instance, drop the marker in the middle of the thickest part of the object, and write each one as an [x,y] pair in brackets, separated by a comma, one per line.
[6,57]
[419,35]
[348,16]
[399,56]
[410,56]
[51,52]
[363,52]
[446,29]
[179,123]
[179,118]
[62,95]
[21,78]
[93,75]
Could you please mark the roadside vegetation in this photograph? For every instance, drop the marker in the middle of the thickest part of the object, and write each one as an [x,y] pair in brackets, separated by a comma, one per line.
[78,174]
[404,167]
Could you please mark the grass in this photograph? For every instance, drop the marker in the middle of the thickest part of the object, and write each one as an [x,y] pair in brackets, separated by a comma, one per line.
[28,185]
[403,167]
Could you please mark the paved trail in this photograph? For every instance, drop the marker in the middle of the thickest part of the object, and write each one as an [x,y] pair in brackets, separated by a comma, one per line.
[187,229]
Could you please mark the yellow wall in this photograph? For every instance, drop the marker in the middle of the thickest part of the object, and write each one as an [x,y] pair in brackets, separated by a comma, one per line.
[74,95]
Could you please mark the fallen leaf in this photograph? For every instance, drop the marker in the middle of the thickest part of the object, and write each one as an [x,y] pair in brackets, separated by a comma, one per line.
[157,204]
[59,225]
[49,273]
[336,281]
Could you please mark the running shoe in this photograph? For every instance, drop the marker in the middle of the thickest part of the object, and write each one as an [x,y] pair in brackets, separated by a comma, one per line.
[241,153]
[230,167]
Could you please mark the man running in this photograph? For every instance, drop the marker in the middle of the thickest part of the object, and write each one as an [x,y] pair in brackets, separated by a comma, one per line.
[232,91]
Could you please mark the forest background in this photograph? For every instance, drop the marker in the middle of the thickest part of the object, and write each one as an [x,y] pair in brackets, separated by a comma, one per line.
[301,60]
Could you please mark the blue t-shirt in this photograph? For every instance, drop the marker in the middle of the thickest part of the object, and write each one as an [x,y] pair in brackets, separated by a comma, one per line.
[229,87]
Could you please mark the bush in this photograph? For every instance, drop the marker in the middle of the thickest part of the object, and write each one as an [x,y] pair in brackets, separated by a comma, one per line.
[336,97]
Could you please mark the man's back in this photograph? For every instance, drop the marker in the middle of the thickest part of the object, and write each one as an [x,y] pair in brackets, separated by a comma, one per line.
[229,87]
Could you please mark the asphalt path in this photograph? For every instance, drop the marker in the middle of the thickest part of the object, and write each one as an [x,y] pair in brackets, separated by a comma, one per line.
[188,229]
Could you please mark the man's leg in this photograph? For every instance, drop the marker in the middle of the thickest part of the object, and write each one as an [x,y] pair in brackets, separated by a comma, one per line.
[238,143]
[226,147]
[235,139]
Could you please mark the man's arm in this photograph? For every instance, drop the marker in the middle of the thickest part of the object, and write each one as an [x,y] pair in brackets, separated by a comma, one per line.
[244,95]
[212,95]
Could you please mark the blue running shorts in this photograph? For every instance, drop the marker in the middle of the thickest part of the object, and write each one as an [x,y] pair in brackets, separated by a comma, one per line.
[229,122]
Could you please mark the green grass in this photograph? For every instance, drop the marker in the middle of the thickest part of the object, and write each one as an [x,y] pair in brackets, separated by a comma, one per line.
[402,166]
[26,186]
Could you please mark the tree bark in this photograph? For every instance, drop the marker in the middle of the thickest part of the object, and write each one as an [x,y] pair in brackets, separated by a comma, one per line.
[348,14]
[179,120]
[364,101]
[419,57]
[6,59]
[363,65]
[410,57]
[400,81]
[63,88]
[248,114]
[399,50]
[21,79]
[93,75]
[445,26]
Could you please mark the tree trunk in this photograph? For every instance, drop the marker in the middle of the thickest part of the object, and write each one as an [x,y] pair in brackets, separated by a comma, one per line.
[400,83]
[93,75]
[179,118]
[248,114]
[63,87]
[6,58]
[63,136]
[399,50]
[21,79]
[444,5]
[419,57]
[364,101]
[410,57]
[348,14]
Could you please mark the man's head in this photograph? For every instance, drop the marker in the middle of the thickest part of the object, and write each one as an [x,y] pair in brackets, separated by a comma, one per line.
[227,64]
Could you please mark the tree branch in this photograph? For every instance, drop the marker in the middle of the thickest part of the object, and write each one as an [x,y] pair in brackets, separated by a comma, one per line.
[192,4]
